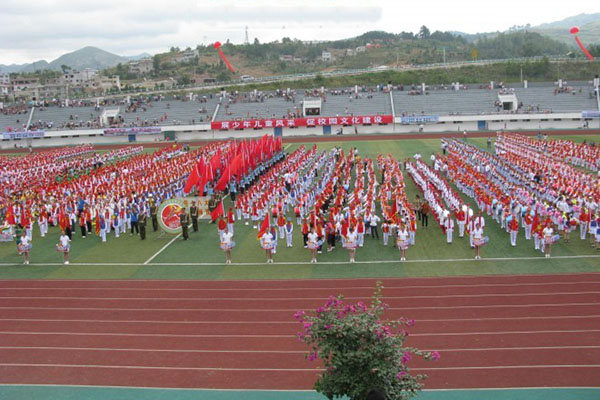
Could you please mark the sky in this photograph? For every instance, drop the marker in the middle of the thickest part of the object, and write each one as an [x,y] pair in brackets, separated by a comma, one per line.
[46,29]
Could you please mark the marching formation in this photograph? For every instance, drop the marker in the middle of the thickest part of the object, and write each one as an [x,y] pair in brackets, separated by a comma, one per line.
[331,198]
[522,187]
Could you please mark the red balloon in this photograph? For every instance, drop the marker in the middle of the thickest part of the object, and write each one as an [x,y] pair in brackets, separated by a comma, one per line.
[217,45]
[574,30]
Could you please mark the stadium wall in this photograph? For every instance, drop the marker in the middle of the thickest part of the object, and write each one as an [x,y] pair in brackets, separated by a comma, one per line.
[188,133]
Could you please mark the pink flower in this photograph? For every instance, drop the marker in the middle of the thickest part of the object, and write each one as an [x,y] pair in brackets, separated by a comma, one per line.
[308,325]
[435,356]
[299,315]
[400,374]
[312,356]
[406,357]
[411,322]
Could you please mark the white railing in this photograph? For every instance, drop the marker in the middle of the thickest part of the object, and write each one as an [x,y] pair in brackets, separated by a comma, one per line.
[30,118]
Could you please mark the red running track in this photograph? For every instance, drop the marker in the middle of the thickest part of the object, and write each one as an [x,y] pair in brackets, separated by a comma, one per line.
[494,331]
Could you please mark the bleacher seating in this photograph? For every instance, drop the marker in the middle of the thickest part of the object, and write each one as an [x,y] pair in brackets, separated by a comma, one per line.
[270,107]
[13,121]
[538,98]
[482,101]
[378,103]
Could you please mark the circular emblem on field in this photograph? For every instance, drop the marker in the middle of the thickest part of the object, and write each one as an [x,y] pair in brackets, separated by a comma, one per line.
[168,215]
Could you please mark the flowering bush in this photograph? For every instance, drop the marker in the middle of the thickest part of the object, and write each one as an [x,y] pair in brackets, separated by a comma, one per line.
[360,350]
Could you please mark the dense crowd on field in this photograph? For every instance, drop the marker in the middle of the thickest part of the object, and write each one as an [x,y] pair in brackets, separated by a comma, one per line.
[545,188]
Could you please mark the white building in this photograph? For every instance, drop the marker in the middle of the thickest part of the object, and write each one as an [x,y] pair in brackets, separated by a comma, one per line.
[189,55]
[326,56]
[361,49]
[4,78]
[141,67]
[79,78]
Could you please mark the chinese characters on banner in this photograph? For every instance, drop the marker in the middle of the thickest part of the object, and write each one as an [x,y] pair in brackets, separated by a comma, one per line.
[300,122]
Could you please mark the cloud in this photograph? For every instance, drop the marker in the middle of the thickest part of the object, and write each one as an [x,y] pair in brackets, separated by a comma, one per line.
[45,29]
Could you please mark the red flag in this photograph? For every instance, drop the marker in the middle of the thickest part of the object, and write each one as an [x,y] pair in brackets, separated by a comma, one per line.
[224,180]
[217,212]
[266,224]
[193,179]
[394,208]
[215,163]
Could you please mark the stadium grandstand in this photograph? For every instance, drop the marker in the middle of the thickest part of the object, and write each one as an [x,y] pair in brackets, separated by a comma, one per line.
[414,108]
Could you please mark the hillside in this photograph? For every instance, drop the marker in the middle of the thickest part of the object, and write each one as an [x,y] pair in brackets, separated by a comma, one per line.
[87,57]
[559,30]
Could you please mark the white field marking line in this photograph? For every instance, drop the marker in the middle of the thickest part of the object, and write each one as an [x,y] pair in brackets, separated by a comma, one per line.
[155,254]
[316,369]
[287,146]
[482,349]
[187,322]
[221,310]
[298,263]
[263,299]
[289,336]
[453,277]
[370,288]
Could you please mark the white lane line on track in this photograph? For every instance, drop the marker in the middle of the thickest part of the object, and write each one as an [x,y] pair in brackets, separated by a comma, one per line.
[279,369]
[203,322]
[289,336]
[504,259]
[291,310]
[157,253]
[369,288]
[262,299]
[259,281]
[483,349]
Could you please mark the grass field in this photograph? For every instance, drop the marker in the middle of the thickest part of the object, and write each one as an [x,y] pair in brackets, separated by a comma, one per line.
[201,258]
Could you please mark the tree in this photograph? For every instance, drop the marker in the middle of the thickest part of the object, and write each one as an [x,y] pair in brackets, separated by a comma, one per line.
[594,50]
[360,350]
[256,42]
[424,32]
[65,68]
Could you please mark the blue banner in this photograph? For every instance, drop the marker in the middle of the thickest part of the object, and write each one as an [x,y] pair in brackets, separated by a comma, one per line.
[142,130]
[590,114]
[420,119]
[23,135]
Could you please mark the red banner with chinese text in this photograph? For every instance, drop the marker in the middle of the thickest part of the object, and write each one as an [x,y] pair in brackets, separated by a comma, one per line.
[301,122]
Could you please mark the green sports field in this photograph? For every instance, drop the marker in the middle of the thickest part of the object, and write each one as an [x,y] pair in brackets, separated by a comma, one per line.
[164,257]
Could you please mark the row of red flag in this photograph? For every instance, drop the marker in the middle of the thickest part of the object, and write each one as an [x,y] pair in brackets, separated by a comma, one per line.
[234,159]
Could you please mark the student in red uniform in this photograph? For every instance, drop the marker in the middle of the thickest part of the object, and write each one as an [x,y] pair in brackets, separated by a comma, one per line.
[230,220]
[82,224]
[281,225]
[221,227]
[305,231]
[513,226]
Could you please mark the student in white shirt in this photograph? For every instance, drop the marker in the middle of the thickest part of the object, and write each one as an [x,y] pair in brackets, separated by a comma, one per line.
[351,243]
[402,241]
[24,247]
[373,221]
[477,235]
[266,242]
[313,244]
[227,244]
[548,233]
[64,246]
